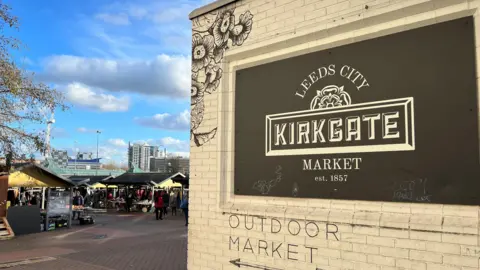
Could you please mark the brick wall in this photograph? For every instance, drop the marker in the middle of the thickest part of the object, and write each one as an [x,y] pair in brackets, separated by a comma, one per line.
[315,234]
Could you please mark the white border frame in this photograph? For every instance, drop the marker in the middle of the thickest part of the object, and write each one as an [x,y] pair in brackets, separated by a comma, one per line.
[280,48]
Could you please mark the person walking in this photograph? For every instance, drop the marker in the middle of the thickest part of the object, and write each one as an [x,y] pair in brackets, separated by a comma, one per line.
[173,203]
[184,206]
[166,202]
[159,206]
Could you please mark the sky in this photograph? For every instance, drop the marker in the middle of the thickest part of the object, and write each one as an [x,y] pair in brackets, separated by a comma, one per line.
[123,66]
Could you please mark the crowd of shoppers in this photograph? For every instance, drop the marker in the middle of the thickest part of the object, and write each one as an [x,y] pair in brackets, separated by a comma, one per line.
[163,200]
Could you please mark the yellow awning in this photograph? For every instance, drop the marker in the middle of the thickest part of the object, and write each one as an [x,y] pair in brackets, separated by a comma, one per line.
[34,176]
[100,185]
[168,183]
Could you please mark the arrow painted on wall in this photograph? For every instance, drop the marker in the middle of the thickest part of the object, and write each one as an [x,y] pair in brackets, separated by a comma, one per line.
[239,264]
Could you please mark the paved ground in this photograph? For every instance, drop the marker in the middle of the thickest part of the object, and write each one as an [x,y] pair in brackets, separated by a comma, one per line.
[116,241]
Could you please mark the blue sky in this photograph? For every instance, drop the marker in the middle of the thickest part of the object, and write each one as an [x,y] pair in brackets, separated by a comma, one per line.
[124,68]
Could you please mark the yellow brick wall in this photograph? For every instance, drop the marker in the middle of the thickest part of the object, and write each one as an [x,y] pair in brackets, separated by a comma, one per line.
[371,235]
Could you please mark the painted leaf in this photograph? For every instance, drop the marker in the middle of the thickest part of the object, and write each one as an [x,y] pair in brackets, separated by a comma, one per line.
[202,138]
[197,114]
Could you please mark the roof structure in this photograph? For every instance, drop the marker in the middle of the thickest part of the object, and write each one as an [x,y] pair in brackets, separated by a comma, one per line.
[180,178]
[145,178]
[135,169]
[51,165]
[88,180]
[209,7]
[37,175]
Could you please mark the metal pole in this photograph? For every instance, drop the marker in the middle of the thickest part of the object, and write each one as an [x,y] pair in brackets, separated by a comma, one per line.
[70,216]
[76,156]
[98,134]
[165,158]
[43,198]
[96,171]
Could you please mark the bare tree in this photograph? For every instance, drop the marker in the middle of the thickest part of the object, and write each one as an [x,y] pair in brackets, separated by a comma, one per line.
[21,96]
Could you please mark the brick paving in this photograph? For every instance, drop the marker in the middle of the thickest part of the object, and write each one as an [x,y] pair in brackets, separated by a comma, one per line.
[135,241]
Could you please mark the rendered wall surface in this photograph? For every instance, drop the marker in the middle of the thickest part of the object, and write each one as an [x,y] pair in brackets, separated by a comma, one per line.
[228,230]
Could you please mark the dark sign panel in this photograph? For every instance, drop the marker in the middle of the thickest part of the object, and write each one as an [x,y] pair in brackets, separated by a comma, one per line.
[389,119]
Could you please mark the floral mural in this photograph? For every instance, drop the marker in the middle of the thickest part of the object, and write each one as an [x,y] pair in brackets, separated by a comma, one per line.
[213,34]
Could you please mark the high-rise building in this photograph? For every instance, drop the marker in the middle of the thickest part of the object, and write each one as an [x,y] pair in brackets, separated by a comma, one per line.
[139,155]
[153,151]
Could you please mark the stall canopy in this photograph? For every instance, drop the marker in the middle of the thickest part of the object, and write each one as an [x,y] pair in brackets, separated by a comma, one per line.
[100,185]
[34,175]
[89,180]
[181,179]
[168,184]
[129,178]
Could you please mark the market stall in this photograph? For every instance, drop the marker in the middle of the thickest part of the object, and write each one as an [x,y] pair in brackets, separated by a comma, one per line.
[56,192]
[137,189]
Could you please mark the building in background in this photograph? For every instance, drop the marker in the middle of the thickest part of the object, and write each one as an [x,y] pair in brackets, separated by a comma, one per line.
[85,155]
[83,161]
[140,155]
[59,157]
[153,151]
[84,164]
[179,164]
[158,164]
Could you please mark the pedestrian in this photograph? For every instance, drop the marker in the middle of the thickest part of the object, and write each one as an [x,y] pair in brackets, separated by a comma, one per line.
[173,203]
[77,200]
[166,202]
[159,206]
[129,201]
[184,206]
[34,200]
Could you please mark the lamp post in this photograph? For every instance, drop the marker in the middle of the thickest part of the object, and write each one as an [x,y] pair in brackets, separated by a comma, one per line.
[98,135]
[76,154]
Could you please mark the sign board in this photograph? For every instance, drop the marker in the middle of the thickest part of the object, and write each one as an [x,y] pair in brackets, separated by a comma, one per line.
[389,119]
[59,203]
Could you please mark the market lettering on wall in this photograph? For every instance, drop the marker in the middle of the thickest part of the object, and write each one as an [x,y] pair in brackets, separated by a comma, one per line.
[345,71]
[275,249]
[353,121]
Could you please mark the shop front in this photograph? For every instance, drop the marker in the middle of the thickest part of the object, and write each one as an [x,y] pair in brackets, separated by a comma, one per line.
[335,135]
[46,200]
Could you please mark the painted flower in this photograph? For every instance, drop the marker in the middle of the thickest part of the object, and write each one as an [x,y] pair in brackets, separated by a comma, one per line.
[222,27]
[202,51]
[241,31]
[214,74]
[197,91]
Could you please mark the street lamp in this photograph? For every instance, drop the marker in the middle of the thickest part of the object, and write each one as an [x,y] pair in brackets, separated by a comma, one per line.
[98,135]
[76,154]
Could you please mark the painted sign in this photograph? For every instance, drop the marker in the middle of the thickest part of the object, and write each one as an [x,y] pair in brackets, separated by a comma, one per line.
[272,246]
[389,119]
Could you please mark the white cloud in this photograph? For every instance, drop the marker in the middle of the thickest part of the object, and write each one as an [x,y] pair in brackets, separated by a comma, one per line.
[58,132]
[163,76]
[166,121]
[172,13]
[173,145]
[87,130]
[117,142]
[116,19]
[83,96]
